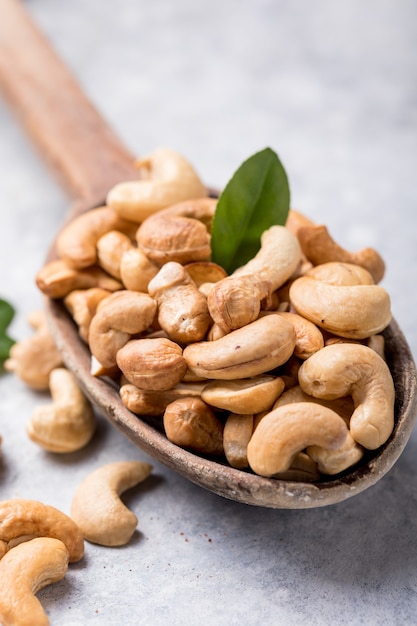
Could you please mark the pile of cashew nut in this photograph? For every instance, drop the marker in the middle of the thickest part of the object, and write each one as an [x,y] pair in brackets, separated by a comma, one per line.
[277,368]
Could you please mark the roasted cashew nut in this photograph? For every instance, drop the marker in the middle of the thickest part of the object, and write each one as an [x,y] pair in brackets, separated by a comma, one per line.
[166,178]
[77,241]
[319,247]
[352,369]
[25,570]
[67,424]
[236,301]
[243,396]
[182,308]
[118,317]
[286,431]
[97,508]
[57,279]
[82,305]
[191,423]
[351,311]
[21,520]
[148,402]
[33,359]
[259,347]
[277,259]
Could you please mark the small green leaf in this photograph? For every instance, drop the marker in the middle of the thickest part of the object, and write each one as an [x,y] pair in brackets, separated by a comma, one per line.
[256,197]
[6,316]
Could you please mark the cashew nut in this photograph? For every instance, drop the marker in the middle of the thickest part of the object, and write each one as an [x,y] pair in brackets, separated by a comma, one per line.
[182,309]
[277,259]
[332,462]
[254,349]
[118,317]
[154,364]
[97,507]
[308,338]
[148,402]
[352,311]
[57,279]
[237,432]
[21,520]
[247,395]
[286,431]
[33,359]
[25,570]
[82,305]
[319,247]
[191,423]
[77,241]
[349,369]
[136,270]
[166,238]
[236,301]
[203,272]
[69,423]
[166,178]
[110,250]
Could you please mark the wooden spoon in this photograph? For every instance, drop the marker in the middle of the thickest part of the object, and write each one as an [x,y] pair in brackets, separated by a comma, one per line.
[88,160]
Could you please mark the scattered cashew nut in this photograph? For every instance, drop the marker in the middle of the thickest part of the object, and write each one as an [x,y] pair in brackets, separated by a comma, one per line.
[33,359]
[97,508]
[22,519]
[67,424]
[25,570]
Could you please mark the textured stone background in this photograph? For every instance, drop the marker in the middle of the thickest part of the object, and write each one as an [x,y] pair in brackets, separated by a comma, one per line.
[331,86]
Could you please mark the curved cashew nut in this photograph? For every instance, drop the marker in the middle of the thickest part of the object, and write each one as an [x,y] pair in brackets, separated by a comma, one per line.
[247,395]
[191,423]
[57,279]
[69,423]
[236,301]
[338,273]
[352,369]
[22,520]
[118,317]
[97,508]
[148,402]
[201,209]
[308,338]
[259,347]
[286,431]
[167,178]
[77,241]
[277,259]
[353,311]
[332,462]
[182,308]
[319,247]
[136,270]
[33,359]
[24,571]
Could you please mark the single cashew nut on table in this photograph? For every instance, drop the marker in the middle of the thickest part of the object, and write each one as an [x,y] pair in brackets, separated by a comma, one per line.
[352,369]
[288,430]
[33,359]
[67,424]
[118,317]
[97,507]
[25,570]
[166,178]
[182,309]
[22,519]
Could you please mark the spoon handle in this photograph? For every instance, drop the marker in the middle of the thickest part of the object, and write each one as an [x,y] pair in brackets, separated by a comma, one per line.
[73,139]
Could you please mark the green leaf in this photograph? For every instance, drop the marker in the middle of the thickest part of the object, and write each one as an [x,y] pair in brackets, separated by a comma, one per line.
[256,197]
[6,316]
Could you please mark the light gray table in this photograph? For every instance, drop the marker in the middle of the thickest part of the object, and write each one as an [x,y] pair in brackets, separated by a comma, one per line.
[331,86]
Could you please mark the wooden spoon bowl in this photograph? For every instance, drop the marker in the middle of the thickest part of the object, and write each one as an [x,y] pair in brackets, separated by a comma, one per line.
[88,159]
